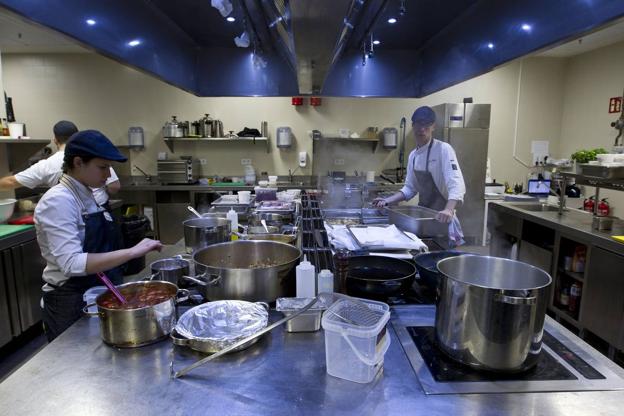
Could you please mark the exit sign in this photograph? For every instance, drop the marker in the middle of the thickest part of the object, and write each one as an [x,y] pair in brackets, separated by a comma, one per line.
[615,105]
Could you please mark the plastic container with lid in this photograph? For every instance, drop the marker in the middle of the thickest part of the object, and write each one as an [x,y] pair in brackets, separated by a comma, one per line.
[355,344]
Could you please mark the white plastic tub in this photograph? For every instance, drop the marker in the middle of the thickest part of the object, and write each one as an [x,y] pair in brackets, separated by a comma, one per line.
[355,352]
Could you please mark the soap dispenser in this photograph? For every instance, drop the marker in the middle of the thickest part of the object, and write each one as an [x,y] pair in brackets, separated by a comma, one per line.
[306,279]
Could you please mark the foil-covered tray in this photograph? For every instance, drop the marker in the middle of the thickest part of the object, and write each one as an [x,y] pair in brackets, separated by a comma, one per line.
[213,326]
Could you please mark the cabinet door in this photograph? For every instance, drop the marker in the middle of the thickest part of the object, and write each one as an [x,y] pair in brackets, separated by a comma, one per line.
[6,334]
[602,302]
[28,267]
[11,291]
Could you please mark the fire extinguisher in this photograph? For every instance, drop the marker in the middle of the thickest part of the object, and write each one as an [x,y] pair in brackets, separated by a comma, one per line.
[588,204]
[603,208]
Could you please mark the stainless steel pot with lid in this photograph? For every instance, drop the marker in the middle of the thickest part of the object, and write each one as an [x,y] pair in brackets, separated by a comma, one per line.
[203,232]
[490,312]
[173,128]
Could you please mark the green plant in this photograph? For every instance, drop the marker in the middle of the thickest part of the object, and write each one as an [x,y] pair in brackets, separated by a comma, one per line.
[584,156]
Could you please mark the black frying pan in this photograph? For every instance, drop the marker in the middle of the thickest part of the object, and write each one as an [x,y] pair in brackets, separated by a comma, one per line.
[426,263]
[378,277]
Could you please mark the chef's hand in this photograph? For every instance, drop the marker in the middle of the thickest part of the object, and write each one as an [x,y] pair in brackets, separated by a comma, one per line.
[145,246]
[445,216]
[379,202]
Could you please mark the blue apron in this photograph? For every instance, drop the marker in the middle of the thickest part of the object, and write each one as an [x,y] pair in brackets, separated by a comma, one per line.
[63,305]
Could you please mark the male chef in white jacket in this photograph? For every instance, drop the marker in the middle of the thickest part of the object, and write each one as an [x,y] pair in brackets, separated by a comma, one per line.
[47,172]
[434,174]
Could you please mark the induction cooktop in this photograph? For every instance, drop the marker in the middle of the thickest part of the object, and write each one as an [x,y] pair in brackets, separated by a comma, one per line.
[566,363]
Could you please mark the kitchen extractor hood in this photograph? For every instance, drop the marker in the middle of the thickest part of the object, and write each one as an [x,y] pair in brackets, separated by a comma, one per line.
[379,48]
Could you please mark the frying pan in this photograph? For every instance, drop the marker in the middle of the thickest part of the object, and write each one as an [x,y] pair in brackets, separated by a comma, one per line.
[426,263]
[378,277]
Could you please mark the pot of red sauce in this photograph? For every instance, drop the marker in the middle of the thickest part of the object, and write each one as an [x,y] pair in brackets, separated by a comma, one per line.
[148,316]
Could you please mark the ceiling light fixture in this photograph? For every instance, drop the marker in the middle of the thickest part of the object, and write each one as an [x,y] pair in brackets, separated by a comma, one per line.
[392,20]
[231,19]
[376,42]
[90,22]
[134,42]
[490,45]
[526,27]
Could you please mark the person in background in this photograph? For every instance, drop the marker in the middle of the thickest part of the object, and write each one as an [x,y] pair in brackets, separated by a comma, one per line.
[76,235]
[47,172]
[434,174]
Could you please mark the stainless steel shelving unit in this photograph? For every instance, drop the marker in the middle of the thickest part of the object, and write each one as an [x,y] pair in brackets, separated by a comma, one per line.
[170,141]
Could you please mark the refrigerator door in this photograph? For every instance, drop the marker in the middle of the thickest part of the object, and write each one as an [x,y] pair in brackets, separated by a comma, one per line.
[448,115]
[477,116]
[471,147]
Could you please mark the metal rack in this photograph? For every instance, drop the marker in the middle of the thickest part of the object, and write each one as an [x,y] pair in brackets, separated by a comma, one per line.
[314,240]
[597,182]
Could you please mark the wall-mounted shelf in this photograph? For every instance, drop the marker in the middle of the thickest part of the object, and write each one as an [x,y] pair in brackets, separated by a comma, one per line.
[170,142]
[615,184]
[374,142]
[19,150]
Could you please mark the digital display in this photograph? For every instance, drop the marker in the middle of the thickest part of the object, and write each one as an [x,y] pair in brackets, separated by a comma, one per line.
[539,187]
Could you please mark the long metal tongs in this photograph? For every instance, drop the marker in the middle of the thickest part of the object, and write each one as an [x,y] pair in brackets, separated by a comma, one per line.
[186,370]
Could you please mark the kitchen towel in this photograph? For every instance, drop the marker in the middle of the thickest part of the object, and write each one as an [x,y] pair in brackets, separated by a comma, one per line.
[375,237]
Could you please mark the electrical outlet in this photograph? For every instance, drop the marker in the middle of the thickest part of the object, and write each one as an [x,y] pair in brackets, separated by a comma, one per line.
[202,161]
[245,162]
[338,162]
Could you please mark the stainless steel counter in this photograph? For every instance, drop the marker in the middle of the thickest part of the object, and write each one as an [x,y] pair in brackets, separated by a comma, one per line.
[576,224]
[283,374]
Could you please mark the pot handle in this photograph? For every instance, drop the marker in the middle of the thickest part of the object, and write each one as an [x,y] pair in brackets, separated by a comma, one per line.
[178,340]
[85,310]
[515,300]
[184,295]
[194,280]
[150,278]
[264,305]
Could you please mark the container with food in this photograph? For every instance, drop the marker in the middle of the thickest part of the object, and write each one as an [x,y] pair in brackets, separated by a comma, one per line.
[308,321]
[214,326]
[147,316]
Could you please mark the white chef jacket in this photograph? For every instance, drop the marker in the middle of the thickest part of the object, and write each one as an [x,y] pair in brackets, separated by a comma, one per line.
[60,231]
[47,172]
[443,167]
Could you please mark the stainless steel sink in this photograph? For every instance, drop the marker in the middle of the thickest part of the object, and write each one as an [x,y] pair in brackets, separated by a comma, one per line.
[536,207]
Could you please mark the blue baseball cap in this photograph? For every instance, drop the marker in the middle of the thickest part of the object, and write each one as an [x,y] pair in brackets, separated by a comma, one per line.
[64,128]
[424,116]
[93,143]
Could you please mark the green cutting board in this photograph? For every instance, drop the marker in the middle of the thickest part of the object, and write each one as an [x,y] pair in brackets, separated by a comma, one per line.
[7,229]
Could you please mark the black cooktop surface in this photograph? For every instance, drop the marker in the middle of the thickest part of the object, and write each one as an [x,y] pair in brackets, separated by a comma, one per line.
[445,369]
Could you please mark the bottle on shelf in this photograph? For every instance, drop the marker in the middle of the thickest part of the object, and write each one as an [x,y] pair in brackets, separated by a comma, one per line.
[5,127]
[564,297]
[575,297]
[325,281]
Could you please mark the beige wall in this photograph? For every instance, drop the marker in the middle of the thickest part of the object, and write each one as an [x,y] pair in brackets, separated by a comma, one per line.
[99,93]
[591,79]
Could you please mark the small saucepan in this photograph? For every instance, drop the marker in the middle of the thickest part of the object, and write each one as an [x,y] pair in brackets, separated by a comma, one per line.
[378,277]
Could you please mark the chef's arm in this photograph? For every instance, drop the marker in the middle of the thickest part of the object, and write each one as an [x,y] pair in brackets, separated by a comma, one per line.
[99,262]
[451,204]
[113,187]
[8,183]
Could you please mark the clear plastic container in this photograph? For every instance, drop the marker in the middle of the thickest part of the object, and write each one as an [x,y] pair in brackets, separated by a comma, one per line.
[265,194]
[354,347]
[91,294]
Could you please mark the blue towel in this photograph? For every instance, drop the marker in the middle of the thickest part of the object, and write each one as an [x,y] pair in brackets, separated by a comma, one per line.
[456,235]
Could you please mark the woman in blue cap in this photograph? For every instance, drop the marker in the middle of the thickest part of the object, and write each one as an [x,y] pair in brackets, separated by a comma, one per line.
[76,236]
[434,174]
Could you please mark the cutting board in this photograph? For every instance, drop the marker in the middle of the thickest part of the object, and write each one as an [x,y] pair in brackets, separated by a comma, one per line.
[6,229]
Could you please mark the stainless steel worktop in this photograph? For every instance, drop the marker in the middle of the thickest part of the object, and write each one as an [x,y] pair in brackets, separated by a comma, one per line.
[573,222]
[283,374]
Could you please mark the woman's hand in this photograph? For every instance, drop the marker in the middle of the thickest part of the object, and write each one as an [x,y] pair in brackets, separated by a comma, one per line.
[445,216]
[379,202]
[145,246]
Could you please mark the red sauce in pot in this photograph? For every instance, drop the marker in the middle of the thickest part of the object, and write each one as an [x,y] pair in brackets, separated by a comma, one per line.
[142,298]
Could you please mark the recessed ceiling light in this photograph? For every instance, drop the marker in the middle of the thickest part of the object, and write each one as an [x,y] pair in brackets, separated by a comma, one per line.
[231,19]
[392,20]
[134,42]
[526,27]
[490,45]
[90,22]
[376,42]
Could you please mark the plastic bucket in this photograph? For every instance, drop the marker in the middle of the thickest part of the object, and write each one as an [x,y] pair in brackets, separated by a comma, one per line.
[355,352]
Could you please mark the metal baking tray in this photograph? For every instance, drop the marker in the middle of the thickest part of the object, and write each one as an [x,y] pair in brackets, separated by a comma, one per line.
[604,172]
[364,246]
[417,220]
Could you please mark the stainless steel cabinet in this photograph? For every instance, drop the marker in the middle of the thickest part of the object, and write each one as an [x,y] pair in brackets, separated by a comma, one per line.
[28,266]
[6,332]
[602,307]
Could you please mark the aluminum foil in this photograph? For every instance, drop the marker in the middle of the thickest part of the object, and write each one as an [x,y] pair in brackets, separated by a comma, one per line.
[294,304]
[222,322]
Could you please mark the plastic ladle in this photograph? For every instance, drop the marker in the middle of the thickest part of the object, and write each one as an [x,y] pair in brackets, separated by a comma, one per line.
[194,211]
[111,287]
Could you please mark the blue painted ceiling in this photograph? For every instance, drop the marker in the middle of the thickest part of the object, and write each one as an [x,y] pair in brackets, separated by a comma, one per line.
[318,46]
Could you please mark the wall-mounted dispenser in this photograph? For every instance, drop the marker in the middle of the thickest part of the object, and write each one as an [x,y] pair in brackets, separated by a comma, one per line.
[303,159]
[390,138]
[284,137]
